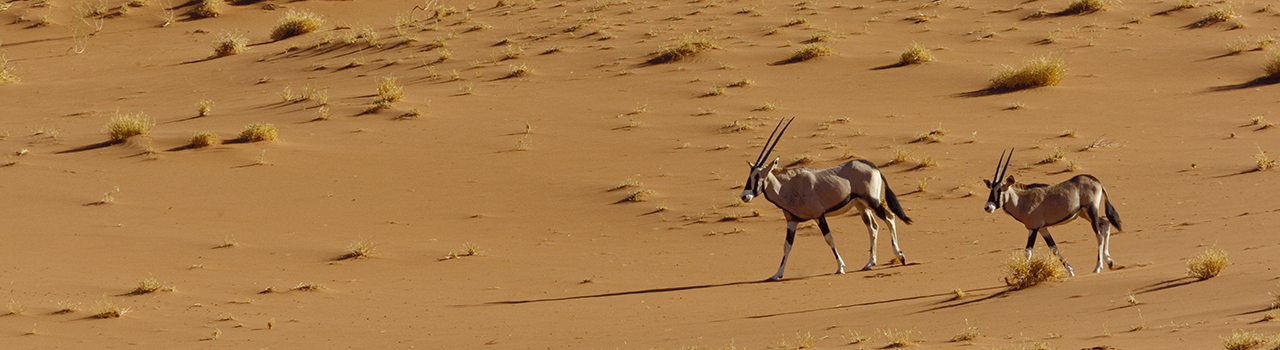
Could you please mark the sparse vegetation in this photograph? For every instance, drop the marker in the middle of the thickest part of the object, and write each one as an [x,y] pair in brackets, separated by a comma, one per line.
[67,306]
[1021,272]
[1216,15]
[7,72]
[108,308]
[900,155]
[259,132]
[1076,7]
[295,23]
[639,195]
[968,335]
[897,339]
[361,248]
[958,294]
[518,70]
[810,51]
[229,43]
[204,107]
[207,9]
[1263,162]
[388,93]
[1207,264]
[686,47]
[1053,157]
[309,287]
[916,54]
[468,249]
[149,285]
[1271,65]
[931,136]
[122,126]
[1242,340]
[204,139]
[15,307]
[1036,72]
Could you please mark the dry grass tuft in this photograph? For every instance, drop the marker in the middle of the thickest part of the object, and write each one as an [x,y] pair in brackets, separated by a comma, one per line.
[916,54]
[361,248]
[108,308]
[7,72]
[309,287]
[207,9]
[228,44]
[1076,7]
[1242,340]
[958,294]
[1021,272]
[204,107]
[686,47]
[639,195]
[149,285]
[66,307]
[15,307]
[967,335]
[1053,157]
[259,132]
[897,339]
[737,126]
[1036,72]
[519,70]
[388,93]
[1263,162]
[1271,65]
[810,51]
[1216,15]
[204,139]
[931,136]
[900,155]
[122,126]
[468,249]
[295,23]
[1207,264]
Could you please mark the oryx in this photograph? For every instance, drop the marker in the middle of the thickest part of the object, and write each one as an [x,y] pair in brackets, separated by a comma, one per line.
[806,194]
[1039,206]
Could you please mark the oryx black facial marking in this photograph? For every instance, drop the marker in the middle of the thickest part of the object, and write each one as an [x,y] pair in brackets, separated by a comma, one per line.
[1039,206]
[809,194]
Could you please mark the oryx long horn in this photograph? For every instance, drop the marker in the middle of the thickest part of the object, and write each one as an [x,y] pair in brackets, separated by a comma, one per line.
[765,149]
[1004,171]
[996,178]
[769,149]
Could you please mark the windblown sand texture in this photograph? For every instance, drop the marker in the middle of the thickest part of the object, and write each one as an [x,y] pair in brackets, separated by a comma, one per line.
[538,181]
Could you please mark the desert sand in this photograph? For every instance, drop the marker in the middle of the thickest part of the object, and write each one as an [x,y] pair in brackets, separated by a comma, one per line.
[534,173]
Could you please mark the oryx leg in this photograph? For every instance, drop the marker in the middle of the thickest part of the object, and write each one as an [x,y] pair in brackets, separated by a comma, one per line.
[893,237]
[869,218]
[786,249]
[1103,231]
[831,241]
[1031,241]
[1048,239]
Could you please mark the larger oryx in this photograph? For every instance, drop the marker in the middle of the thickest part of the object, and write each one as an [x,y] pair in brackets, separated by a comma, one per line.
[809,194]
[1039,206]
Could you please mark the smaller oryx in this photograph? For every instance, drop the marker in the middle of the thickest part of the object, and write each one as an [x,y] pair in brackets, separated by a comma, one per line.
[809,194]
[1039,206]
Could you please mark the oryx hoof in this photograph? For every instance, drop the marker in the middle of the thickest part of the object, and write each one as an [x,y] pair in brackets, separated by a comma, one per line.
[840,271]
[1111,265]
[868,267]
[774,278]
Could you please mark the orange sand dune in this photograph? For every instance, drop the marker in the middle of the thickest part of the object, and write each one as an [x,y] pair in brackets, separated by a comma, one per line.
[524,169]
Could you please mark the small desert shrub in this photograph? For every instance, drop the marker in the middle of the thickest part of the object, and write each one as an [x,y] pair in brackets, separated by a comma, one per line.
[811,51]
[916,54]
[16,308]
[108,308]
[639,195]
[1036,72]
[228,44]
[897,339]
[1271,65]
[966,335]
[1216,15]
[204,139]
[1263,161]
[1207,264]
[295,23]
[7,72]
[204,107]
[1242,340]
[688,46]
[388,91]
[207,9]
[122,126]
[259,132]
[1076,7]
[362,248]
[900,155]
[1057,155]
[309,287]
[1021,272]
[149,285]
[518,70]
[66,307]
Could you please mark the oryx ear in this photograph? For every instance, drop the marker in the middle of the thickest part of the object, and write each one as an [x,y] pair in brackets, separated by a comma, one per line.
[1009,180]
[775,162]
[987,182]
[749,164]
